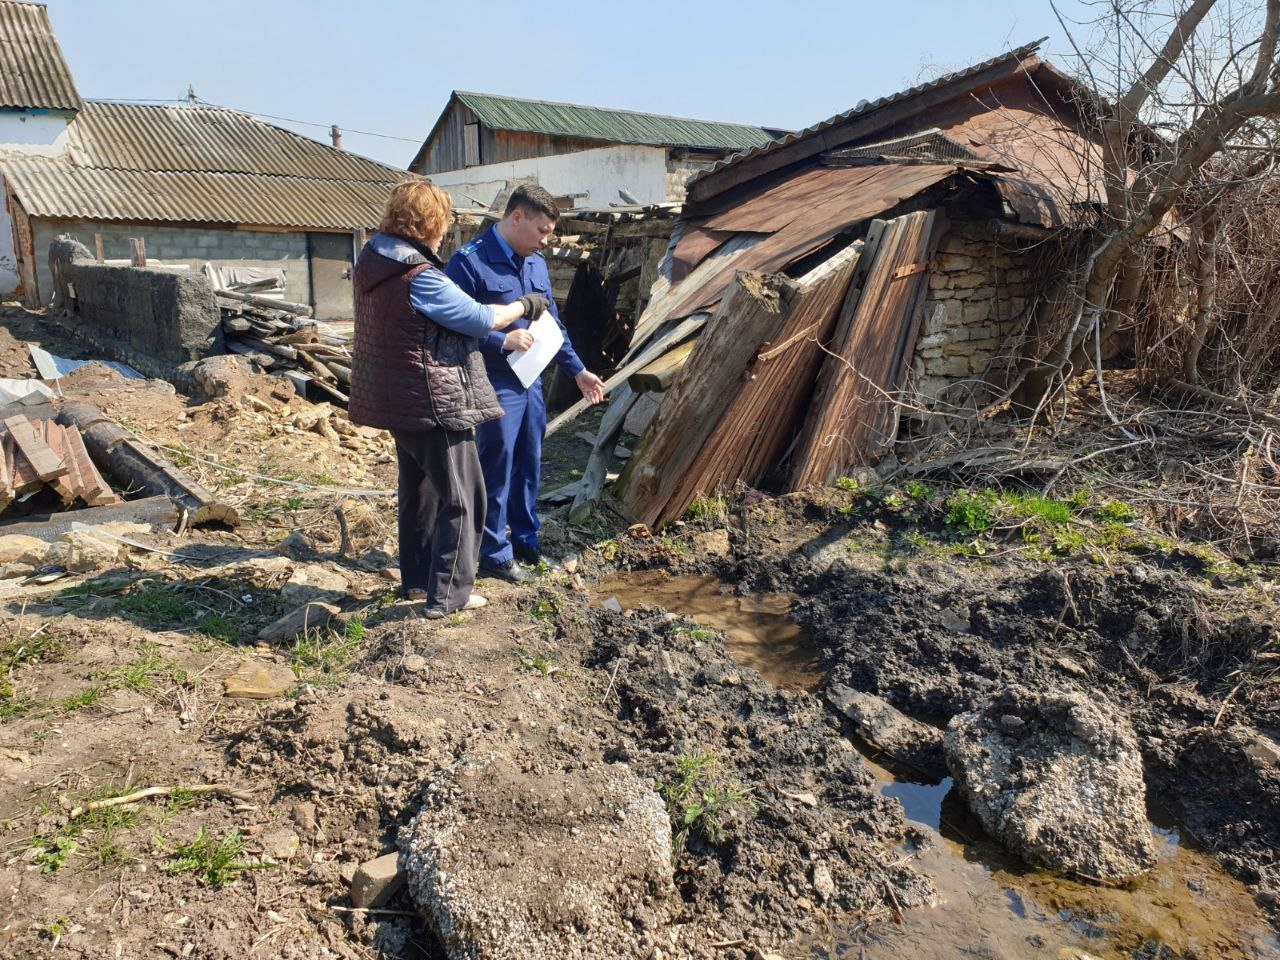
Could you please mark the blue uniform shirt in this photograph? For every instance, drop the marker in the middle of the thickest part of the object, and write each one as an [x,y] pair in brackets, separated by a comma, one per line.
[488,270]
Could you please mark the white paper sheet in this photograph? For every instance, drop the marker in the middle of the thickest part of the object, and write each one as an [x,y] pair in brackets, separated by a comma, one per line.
[547,340]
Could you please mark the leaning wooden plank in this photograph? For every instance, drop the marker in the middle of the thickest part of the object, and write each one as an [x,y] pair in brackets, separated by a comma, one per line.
[47,464]
[156,511]
[97,492]
[660,374]
[68,487]
[854,403]
[6,480]
[681,331]
[138,467]
[23,476]
[768,409]
[597,469]
[751,313]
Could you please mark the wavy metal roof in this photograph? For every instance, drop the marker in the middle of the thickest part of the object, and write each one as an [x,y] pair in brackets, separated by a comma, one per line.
[615,126]
[866,108]
[33,72]
[52,189]
[141,136]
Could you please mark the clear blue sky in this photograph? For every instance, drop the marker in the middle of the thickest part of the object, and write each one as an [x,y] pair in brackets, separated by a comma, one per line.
[388,67]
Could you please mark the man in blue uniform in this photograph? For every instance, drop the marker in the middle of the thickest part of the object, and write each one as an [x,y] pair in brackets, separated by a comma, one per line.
[501,266]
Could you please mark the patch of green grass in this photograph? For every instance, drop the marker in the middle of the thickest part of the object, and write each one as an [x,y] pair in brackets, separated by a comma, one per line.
[216,863]
[14,707]
[324,480]
[696,634]
[42,646]
[917,490]
[1117,511]
[538,663]
[702,800]
[142,675]
[85,699]
[847,483]
[674,545]
[54,852]
[970,512]
[218,627]
[708,508]
[321,657]
[1040,510]
[156,606]
[543,609]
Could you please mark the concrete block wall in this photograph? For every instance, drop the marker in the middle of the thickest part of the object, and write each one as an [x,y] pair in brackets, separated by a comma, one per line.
[979,289]
[678,174]
[191,245]
[154,320]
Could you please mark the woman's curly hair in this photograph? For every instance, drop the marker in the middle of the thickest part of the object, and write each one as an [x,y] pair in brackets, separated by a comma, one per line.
[419,211]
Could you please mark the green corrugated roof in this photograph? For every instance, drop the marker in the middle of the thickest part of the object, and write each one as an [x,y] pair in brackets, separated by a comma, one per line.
[615,126]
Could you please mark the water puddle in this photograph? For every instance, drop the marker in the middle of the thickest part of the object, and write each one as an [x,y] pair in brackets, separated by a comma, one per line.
[759,632]
[989,904]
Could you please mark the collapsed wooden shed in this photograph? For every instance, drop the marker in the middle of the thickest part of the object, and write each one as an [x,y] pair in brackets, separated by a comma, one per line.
[890,258]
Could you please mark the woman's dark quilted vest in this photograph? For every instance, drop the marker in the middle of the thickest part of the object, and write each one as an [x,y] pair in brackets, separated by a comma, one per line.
[408,372]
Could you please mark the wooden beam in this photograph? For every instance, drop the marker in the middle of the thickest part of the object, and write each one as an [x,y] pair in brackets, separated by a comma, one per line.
[46,464]
[156,511]
[138,251]
[660,374]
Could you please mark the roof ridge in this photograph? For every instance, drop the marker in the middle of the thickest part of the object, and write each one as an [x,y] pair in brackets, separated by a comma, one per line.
[597,109]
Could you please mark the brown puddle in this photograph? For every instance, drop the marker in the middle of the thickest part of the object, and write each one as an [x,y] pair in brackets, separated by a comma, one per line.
[758,629]
[989,904]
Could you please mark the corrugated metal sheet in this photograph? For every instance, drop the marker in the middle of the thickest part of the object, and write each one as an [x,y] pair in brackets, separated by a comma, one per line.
[616,126]
[50,189]
[136,136]
[33,72]
[869,107]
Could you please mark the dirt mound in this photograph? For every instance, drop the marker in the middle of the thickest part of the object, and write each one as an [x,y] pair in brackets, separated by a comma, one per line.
[540,864]
[1058,778]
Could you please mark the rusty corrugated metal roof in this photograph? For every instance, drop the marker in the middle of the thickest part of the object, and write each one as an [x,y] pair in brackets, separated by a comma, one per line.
[866,108]
[51,189]
[139,136]
[33,72]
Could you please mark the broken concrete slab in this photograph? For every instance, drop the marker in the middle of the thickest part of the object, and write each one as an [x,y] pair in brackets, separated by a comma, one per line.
[311,581]
[310,616]
[255,680]
[1062,788]
[377,881]
[882,725]
[509,862]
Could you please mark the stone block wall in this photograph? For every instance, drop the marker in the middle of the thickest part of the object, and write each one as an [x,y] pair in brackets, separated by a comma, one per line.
[153,320]
[979,290]
[191,245]
[678,174]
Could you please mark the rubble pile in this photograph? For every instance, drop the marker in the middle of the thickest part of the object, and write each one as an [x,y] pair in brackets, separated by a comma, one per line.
[281,337]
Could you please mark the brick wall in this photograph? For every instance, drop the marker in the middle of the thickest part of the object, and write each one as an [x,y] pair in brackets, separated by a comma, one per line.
[193,245]
[979,290]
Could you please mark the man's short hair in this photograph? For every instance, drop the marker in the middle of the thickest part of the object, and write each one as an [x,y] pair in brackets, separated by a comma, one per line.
[532,199]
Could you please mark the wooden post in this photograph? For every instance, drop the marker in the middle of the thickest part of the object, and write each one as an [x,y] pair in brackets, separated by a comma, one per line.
[139,251]
[358,242]
[97,246]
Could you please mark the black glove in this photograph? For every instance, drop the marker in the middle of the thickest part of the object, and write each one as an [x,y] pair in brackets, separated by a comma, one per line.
[534,304]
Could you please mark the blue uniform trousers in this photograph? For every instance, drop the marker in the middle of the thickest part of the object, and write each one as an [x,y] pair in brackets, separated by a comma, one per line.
[510,451]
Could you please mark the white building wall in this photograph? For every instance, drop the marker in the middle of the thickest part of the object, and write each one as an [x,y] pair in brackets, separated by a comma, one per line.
[28,133]
[599,174]
[31,133]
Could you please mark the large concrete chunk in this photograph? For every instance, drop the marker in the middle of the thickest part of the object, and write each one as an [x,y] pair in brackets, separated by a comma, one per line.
[509,864]
[1057,777]
[902,737]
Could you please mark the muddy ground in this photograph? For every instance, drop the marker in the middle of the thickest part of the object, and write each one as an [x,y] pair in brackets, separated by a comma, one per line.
[114,684]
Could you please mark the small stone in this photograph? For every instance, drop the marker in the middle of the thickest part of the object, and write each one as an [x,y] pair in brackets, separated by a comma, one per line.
[1071,667]
[377,881]
[1262,751]
[1012,723]
[612,604]
[309,616]
[823,884]
[571,565]
[304,817]
[415,663]
[281,844]
[254,680]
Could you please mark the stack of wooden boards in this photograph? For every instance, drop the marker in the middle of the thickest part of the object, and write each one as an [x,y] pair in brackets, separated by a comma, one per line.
[42,452]
[278,335]
[791,379]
